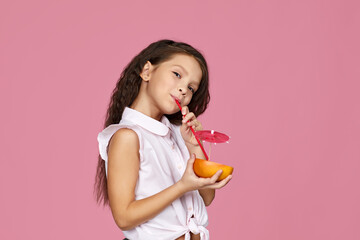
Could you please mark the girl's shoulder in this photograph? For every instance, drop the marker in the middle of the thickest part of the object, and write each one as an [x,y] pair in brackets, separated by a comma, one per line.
[110,130]
[126,139]
[124,131]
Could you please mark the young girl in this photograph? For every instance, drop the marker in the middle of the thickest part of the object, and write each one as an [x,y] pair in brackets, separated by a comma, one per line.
[147,150]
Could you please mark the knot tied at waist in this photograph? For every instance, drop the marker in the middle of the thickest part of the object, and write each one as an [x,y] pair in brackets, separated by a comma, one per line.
[196,229]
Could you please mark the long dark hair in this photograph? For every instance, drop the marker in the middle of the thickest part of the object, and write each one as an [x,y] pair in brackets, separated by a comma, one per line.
[127,89]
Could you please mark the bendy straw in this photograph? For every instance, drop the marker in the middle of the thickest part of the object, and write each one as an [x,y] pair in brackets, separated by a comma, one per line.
[201,146]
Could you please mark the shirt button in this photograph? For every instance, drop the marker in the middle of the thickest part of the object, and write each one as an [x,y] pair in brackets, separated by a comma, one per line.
[190,208]
[179,166]
[172,146]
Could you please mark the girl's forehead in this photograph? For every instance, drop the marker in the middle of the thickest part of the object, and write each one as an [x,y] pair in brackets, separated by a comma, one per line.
[181,58]
[187,63]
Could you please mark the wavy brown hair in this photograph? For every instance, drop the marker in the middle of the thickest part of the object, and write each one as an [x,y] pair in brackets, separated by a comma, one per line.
[127,89]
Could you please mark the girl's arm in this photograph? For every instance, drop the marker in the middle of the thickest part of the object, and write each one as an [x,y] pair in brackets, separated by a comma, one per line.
[123,171]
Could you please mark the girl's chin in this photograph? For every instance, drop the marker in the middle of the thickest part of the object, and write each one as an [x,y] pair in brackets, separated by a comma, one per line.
[171,110]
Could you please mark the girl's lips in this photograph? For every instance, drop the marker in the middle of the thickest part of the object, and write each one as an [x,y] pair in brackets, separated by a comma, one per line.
[175,98]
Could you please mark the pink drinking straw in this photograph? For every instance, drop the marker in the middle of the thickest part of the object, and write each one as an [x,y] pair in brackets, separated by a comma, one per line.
[202,148]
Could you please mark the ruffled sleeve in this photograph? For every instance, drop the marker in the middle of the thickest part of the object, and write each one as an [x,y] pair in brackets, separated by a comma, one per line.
[105,136]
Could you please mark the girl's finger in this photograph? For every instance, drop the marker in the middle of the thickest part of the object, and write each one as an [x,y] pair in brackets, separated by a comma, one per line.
[210,182]
[194,123]
[185,110]
[222,183]
[188,117]
[199,126]
[216,176]
[191,161]
[190,124]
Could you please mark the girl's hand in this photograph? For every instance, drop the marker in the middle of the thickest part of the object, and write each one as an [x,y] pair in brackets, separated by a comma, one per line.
[185,130]
[191,182]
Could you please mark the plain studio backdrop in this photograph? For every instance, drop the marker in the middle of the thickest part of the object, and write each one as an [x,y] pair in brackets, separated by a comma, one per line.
[284,85]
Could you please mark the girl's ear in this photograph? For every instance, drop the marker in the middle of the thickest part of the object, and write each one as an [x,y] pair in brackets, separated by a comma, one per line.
[146,71]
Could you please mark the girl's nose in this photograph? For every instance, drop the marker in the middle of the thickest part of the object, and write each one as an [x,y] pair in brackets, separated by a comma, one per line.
[182,90]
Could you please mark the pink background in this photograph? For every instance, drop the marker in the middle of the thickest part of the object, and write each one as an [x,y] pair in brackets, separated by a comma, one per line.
[284,83]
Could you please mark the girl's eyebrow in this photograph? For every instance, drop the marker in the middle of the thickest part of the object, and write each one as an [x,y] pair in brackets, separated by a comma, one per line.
[182,68]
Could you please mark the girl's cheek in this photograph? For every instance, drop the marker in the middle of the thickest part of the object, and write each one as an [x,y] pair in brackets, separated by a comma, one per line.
[188,100]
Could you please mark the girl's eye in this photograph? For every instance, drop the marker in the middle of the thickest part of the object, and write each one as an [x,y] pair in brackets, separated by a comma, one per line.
[177,74]
[191,89]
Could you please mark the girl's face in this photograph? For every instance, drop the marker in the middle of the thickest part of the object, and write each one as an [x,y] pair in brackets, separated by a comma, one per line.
[178,78]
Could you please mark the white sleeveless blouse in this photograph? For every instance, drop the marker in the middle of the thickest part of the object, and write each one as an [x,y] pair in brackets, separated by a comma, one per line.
[163,158]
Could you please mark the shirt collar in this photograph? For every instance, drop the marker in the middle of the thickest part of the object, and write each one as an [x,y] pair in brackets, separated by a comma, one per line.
[158,127]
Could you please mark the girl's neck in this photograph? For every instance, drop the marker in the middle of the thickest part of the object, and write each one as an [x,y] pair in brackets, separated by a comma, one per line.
[146,107]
